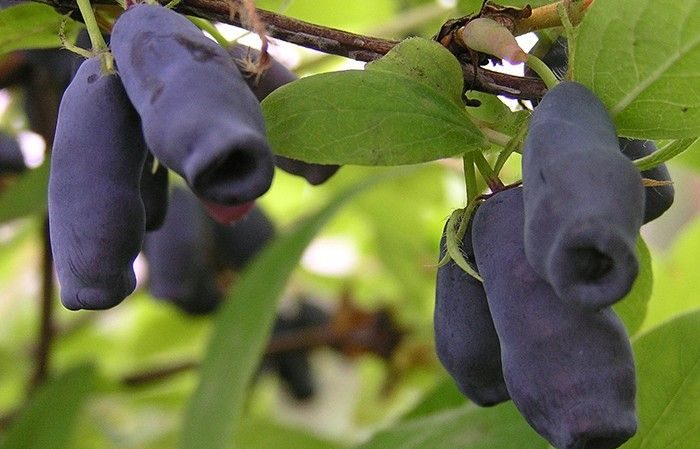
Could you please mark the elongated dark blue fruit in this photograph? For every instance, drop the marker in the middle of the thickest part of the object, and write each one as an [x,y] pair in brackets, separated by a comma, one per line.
[584,200]
[465,338]
[11,158]
[96,215]
[293,367]
[198,115]
[275,76]
[569,370]
[657,199]
[238,243]
[180,256]
[154,192]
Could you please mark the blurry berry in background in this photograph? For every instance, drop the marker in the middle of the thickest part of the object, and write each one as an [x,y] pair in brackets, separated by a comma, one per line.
[238,243]
[180,256]
[293,366]
[11,157]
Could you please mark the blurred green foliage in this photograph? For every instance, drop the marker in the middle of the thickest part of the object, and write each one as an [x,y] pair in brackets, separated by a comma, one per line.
[392,232]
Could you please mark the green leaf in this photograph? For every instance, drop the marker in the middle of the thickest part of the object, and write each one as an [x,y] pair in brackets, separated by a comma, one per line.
[633,307]
[263,434]
[422,59]
[27,196]
[668,371]
[642,58]
[32,25]
[47,421]
[665,153]
[675,281]
[691,156]
[376,116]
[242,328]
[473,6]
[496,114]
[444,396]
[468,427]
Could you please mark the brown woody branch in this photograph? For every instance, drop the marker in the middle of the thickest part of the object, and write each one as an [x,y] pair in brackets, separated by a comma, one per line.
[340,43]
[46,329]
[301,339]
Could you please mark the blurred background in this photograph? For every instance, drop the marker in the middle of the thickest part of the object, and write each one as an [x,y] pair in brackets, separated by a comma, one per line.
[352,347]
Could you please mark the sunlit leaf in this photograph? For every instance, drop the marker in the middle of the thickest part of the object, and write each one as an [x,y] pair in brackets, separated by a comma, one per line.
[633,307]
[376,116]
[642,58]
[675,290]
[32,25]
[668,371]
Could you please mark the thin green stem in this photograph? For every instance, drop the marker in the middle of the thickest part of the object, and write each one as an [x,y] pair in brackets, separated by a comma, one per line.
[536,64]
[207,26]
[456,229]
[665,153]
[469,176]
[570,36]
[513,146]
[96,39]
[487,172]
[494,136]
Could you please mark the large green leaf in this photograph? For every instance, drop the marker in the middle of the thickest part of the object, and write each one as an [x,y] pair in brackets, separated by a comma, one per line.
[27,196]
[376,116]
[668,371]
[32,25]
[468,427]
[47,421]
[642,58]
[242,328]
[633,308]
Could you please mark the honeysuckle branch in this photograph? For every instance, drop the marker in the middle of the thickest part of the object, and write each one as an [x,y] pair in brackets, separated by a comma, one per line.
[547,16]
[46,331]
[293,340]
[356,46]
[340,43]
